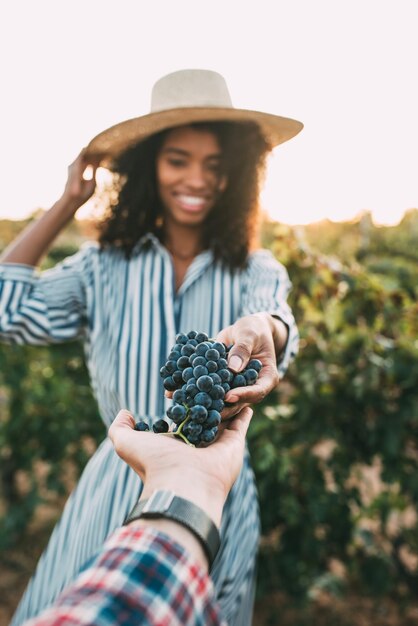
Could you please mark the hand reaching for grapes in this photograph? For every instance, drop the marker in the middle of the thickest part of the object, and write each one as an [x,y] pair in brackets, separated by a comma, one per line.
[257,336]
[165,462]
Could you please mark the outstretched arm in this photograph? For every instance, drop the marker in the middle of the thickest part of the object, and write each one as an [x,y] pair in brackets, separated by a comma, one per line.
[204,476]
[154,571]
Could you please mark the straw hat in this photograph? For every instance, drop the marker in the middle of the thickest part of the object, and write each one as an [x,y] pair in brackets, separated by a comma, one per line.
[181,98]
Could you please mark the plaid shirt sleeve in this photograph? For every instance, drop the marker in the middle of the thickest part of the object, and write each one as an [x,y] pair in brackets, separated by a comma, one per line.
[141,577]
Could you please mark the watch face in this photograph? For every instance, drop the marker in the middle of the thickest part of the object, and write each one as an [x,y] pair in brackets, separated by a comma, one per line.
[160,502]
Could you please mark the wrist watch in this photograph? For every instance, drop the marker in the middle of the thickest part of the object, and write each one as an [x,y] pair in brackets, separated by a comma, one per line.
[166,505]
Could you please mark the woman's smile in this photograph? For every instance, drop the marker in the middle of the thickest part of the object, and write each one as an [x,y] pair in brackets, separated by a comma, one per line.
[191,203]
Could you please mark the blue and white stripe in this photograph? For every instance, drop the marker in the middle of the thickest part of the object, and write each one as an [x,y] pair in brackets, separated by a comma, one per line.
[127,314]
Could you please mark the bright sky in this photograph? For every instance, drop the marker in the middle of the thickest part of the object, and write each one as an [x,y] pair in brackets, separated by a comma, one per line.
[346,68]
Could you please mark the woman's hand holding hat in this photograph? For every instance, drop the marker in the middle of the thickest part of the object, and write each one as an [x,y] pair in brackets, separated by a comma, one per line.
[34,241]
[81,181]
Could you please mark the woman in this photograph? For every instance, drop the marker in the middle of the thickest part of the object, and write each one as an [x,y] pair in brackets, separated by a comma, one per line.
[174,254]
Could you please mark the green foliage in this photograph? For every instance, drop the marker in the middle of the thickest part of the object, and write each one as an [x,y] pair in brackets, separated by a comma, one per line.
[348,409]
[47,413]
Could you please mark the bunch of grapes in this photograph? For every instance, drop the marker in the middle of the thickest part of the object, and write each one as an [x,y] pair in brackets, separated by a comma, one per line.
[197,373]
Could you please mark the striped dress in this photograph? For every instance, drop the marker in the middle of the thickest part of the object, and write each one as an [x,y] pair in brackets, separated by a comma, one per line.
[127,314]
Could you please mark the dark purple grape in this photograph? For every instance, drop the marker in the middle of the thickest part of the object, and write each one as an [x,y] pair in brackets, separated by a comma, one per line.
[204,399]
[178,377]
[171,366]
[217,393]
[174,356]
[141,426]
[187,350]
[160,426]
[169,384]
[250,376]
[201,349]
[183,362]
[209,435]
[177,413]
[216,378]
[187,374]
[199,360]
[218,405]
[238,381]
[198,413]
[191,390]
[204,383]
[164,372]
[220,347]
[255,364]
[200,370]
[212,367]
[225,375]
[213,419]
[222,364]
[194,429]
[181,338]
[179,396]
[212,355]
[192,334]
[200,337]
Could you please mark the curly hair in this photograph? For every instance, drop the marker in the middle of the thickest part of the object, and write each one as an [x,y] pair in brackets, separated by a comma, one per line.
[134,207]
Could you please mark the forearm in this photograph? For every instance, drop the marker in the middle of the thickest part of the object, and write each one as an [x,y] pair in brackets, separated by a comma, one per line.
[178,533]
[280,334]
[279,331]
[36,239]
[209,497]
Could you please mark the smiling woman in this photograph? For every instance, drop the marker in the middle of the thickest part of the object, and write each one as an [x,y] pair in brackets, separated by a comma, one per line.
[176,252]
[198,189]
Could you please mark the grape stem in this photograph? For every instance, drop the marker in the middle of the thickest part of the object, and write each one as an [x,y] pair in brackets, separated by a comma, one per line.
[178,432]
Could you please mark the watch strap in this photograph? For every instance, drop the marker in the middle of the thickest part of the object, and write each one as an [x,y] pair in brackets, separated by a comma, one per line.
[166,505]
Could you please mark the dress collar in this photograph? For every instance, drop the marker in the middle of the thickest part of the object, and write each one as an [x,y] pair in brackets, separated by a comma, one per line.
[196,268]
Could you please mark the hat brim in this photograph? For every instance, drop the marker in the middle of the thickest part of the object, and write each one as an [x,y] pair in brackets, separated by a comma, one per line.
[110,143]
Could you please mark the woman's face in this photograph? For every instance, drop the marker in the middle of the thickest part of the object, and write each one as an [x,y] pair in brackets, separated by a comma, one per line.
[188,174]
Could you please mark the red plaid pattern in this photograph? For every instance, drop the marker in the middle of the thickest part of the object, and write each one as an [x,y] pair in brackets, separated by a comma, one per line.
[141,577]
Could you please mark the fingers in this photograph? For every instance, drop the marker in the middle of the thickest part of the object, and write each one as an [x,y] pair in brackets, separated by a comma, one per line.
[268,380]
[238,425]
[124,419]
[243,337]
[224,336]
[240,354]
[231,411]
[242,422]
[84,166]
